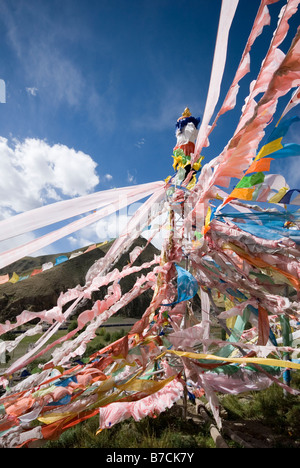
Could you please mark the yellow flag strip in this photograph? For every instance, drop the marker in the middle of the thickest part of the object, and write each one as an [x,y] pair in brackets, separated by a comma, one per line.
[242,360]
[132,385]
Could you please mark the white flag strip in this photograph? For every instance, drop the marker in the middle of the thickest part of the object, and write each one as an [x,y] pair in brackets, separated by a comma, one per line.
[226,17]
[262,19]
[294,101]
[66,209]
[10,256]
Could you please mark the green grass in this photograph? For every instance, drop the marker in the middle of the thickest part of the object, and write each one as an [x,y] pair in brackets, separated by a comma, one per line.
[271,407]
[168,430]
[103,338]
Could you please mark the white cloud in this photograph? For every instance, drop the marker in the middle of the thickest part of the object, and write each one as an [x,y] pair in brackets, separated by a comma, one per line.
[290,170]
[169,105]
[41,56]
[108,177]
[56,74]
[33,173]
[32,91]
[48,61]
[16,241]
[24,239]
[131,178]
[106,229]
[140,143]
[114,225]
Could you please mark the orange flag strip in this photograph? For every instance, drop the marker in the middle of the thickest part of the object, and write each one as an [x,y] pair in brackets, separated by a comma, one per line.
[260,166]
[263,326]
[258,262]
[242,193]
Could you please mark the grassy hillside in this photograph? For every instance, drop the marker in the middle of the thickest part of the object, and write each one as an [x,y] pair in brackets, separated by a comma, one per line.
[41,291]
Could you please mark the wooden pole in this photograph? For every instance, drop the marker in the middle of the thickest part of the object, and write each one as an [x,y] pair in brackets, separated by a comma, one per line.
[286,332]
[214,432]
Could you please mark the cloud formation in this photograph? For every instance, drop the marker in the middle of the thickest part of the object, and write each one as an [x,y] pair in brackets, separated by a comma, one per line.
[106,229]
[140,143]
[35,173]
[131,178]
[32,91]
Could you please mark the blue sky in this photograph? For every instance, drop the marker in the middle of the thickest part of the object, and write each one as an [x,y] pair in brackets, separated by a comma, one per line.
[94,89]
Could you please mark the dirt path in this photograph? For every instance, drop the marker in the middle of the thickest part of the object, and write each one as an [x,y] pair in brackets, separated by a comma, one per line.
[244,433]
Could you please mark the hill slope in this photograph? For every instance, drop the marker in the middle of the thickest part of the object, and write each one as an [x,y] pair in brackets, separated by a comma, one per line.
[40,292]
